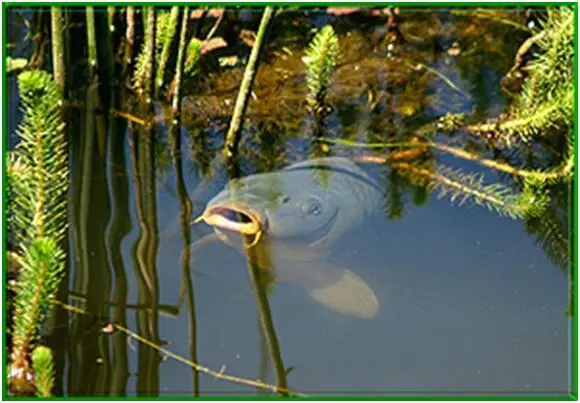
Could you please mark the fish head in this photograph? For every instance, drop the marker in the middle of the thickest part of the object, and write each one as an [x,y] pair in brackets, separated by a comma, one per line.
[283,206]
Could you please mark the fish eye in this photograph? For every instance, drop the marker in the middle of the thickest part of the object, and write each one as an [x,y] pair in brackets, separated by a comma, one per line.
[311,207]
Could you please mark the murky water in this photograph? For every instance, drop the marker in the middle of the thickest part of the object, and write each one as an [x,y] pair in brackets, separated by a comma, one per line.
[470,302]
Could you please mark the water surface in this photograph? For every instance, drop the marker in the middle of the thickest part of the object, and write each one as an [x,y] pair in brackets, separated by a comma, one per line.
[470,300]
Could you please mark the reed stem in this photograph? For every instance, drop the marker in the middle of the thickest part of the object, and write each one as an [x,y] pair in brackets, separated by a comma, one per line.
[235,129]
[180,62]
[57,33]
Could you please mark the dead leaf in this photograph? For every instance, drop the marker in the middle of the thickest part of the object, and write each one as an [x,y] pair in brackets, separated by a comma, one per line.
[248,37]
[212,12]
[197,13]
[342,10]
[215,12]
[213,44]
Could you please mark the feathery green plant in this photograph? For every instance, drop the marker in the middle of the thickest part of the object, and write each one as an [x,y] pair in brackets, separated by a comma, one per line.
[37,174]
[41,270]
[139,81]
[193,53]
[166,29]
[39,163]
[321,58]
[551,234]
[43,371]
[547,97]
[470,188]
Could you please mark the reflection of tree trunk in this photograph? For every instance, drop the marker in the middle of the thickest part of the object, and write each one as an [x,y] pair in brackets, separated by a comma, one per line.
[259,285]
[145,254]
[120,227]
[261,253]
[92,274]
[185,209]
[263,372]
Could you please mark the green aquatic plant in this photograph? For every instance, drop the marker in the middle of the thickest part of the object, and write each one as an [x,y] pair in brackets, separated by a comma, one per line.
[167,23]
[530,202]
[42,363]
[39,163]
[547,97]
[180,63]
[321,58]
[165,35]
[193,53]
[142,74]
[41,268]
[463,187]
[38,180]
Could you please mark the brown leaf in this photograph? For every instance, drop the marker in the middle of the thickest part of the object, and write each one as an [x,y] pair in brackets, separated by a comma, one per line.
[213,44]
[196,14]
[342,10]
[248,37]
[212,12]
[215,12]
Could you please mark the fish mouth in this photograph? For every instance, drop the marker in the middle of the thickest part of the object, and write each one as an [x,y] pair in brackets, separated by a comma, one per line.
[242,219]
[234,218]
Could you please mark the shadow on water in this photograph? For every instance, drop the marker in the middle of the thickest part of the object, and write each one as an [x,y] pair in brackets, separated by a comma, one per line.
[468,300]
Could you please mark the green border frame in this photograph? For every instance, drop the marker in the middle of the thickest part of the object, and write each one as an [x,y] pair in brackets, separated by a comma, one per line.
[573,213]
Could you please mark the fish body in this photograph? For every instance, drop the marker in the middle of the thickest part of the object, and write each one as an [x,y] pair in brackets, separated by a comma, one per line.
[296,218]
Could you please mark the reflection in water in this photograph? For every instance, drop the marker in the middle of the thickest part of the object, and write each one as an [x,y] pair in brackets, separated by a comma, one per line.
[145,257]
[260,271]
[119,228]
[92,275]
[185,218]
[424,278]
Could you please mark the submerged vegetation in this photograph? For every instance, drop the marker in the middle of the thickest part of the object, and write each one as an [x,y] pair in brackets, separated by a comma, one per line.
[278,85]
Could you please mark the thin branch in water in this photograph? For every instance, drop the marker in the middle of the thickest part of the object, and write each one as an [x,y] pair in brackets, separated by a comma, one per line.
[215,27]
[551,175]
[418,66]
[217,374]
